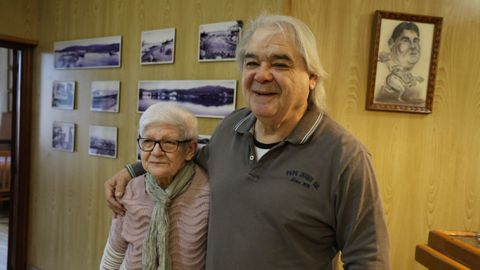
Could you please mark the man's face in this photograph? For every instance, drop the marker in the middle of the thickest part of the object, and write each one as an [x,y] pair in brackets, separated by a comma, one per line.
[406,49]
[275,81]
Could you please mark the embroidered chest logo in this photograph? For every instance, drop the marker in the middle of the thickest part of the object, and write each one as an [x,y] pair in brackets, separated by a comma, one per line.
[302,178]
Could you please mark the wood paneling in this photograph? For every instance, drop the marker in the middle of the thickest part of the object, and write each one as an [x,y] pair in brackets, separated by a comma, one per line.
[69,218]
[427,165]
[19,18]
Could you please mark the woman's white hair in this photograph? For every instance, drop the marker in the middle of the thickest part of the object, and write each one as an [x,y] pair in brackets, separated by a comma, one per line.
[170,114]
[306,46]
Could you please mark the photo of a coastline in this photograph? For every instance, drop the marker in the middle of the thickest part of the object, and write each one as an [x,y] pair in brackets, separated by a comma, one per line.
[218,41]
[204,98]
[158,47]
[103,141]
[102,52]
[104,96]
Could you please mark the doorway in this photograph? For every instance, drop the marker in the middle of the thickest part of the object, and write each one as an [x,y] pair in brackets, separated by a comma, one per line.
[19,103]
[6,108]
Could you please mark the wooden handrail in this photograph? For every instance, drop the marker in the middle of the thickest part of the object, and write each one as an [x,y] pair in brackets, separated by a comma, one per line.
[445,242]
[435,260]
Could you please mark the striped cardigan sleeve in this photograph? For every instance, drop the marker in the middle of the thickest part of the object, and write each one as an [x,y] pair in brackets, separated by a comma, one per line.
[114,252]
[111,259]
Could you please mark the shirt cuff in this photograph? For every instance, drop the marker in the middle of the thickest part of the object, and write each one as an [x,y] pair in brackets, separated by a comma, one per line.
[135,169]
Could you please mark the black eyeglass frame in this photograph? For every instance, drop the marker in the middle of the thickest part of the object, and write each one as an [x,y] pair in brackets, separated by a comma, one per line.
[159,142]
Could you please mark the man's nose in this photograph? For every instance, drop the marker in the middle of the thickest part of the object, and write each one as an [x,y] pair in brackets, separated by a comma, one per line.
[263,74]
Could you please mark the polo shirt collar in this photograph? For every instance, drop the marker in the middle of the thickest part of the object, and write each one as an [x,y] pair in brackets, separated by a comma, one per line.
[300,134]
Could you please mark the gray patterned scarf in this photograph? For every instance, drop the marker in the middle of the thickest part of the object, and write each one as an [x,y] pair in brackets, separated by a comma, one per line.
[155,246]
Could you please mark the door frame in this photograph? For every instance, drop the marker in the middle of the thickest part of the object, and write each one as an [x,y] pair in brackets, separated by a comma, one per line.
[21,125]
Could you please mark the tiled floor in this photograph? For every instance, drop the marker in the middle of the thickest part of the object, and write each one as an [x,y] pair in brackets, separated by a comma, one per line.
[3,237]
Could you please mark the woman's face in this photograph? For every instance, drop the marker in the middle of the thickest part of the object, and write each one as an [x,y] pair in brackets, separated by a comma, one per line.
[164,166]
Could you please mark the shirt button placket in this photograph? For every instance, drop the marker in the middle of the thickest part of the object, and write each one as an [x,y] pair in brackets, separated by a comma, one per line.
[252,176]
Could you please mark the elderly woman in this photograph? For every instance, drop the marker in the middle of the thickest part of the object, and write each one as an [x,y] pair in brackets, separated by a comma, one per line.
[165,225]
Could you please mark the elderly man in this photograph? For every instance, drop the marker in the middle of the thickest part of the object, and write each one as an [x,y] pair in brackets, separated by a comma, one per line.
[290,188]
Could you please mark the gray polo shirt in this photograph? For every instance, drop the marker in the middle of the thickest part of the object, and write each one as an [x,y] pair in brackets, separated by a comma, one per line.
[310,196]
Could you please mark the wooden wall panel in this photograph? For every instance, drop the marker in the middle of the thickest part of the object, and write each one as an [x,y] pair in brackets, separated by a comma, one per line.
[19,18]
[69,220]
[427,165]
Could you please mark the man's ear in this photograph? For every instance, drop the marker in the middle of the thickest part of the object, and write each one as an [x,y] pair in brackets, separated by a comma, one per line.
[312,81]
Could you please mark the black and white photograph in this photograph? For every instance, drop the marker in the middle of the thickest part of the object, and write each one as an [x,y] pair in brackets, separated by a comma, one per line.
[203,140]
[103,141]
[104,52]
[63,136]
[63,95]
[403,68]
[203,98]
[105,96]
[218,41]
[139,151]
[158,47]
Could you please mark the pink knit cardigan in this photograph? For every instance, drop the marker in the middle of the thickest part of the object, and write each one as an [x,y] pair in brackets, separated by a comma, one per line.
[188,226]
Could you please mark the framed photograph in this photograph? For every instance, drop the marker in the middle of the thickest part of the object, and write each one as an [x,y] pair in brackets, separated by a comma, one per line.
[63,95]
[157,47]
[103,141]
[104,96]
[218,41]
[404,62]
[104,52]
[204,98]
[63,136]
[139,151]
[203,140]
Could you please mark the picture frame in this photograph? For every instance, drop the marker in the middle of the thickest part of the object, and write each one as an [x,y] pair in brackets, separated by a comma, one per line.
[63,136]
[105,96]
[137,147]
[203,98]
[102,141]
[103,52]
[219,41]
[63,95]
[157,47]
[403,62]
[203,140]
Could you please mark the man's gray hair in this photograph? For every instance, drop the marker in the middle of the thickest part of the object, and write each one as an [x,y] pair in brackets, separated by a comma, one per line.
[306,46]
[170,114]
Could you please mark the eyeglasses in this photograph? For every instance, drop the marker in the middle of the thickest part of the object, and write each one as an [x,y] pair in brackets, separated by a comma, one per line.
[167,146]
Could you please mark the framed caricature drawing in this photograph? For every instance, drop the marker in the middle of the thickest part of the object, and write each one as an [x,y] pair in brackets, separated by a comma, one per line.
[404,62]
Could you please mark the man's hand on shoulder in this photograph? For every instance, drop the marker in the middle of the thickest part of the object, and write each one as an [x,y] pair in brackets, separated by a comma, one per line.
[114,190]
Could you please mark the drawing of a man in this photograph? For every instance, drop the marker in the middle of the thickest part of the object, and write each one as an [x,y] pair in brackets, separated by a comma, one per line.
[405,52]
